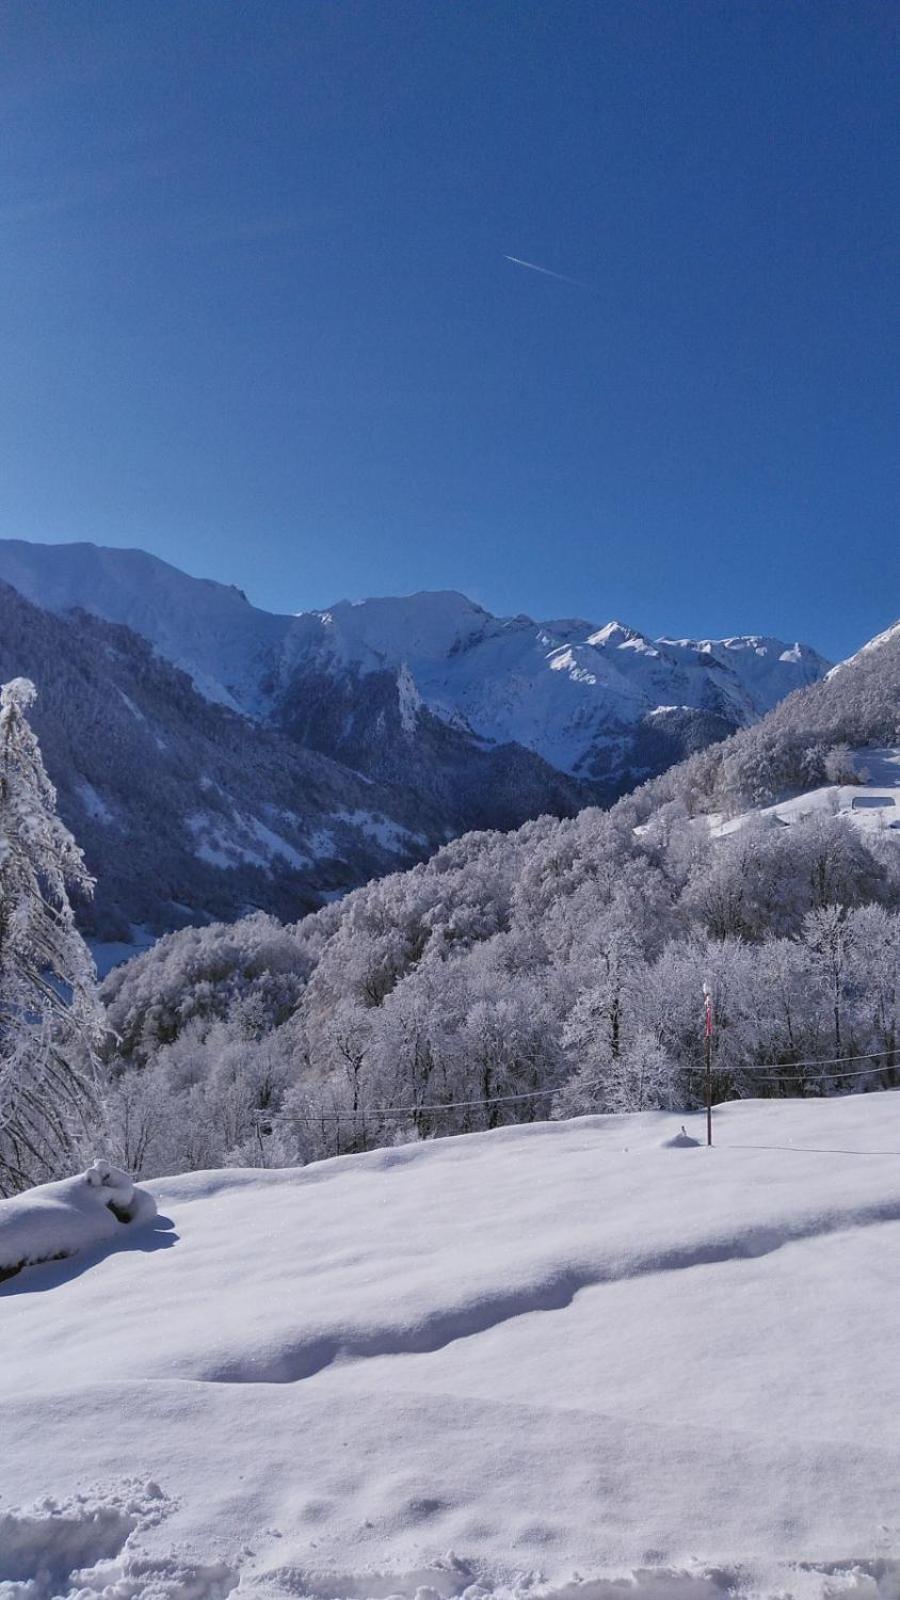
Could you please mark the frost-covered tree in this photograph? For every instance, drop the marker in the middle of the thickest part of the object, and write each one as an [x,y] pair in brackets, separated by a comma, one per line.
[50,1016]
[874,950]
[828,936]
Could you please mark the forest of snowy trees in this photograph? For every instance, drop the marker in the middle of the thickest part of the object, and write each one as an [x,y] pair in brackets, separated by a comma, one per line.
[545,972]
[563,964]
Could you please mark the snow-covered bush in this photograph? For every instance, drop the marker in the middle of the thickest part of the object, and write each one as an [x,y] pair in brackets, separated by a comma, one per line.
[73,1214]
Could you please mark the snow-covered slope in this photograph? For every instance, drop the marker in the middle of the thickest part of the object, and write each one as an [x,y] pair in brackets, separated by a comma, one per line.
[555,687]
[206,628]
[890,636]
[187,812]
[565,1359]
[569,690]
[585,699]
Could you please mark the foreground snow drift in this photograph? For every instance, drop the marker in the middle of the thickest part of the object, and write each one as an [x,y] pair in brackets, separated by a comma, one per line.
[504,1363]
[59,1219]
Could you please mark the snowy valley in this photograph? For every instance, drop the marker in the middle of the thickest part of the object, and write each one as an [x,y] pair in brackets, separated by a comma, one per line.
[561,962]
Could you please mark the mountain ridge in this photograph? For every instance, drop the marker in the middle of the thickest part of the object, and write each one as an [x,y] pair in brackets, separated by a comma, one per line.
[575,694]
[185,810]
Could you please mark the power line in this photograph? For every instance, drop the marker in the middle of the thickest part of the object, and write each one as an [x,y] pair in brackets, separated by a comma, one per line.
[785,1076]
[828,1061]
[788,1077]
[449,1105]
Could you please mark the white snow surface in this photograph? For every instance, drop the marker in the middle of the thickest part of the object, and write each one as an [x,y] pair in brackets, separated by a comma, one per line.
[558,688]
[109,953]
[572,1360]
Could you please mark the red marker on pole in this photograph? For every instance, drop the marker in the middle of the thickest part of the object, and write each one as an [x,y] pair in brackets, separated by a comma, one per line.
[707,1051]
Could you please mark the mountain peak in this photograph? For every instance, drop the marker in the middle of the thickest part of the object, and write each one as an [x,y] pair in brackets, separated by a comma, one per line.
[620,636]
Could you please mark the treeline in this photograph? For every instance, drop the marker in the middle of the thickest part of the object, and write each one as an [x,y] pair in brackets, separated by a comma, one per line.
[561,965]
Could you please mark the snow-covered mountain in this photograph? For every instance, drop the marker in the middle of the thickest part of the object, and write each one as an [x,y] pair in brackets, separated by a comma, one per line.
[206,628]
[890,637]
[576,694]
[808,753]
[407,688]
[185,810]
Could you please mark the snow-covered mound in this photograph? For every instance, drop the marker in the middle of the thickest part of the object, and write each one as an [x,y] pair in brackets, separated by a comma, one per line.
[60,1219]
[557,1359]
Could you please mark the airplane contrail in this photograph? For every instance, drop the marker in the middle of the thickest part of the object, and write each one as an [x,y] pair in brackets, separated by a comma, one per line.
[533,267]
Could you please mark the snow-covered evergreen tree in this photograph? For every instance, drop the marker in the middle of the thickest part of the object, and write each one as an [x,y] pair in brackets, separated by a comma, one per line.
[50,1016]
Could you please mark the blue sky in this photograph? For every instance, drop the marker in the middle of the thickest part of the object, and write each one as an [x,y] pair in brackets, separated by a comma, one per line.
[256,315]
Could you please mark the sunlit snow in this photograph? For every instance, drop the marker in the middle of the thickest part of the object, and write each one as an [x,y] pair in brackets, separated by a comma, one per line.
[497,1364]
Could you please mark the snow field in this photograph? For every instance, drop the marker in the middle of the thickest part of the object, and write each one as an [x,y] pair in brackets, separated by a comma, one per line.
[554,1360]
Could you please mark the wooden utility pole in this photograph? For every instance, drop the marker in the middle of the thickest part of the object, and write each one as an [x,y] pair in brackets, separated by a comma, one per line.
[707,1055]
